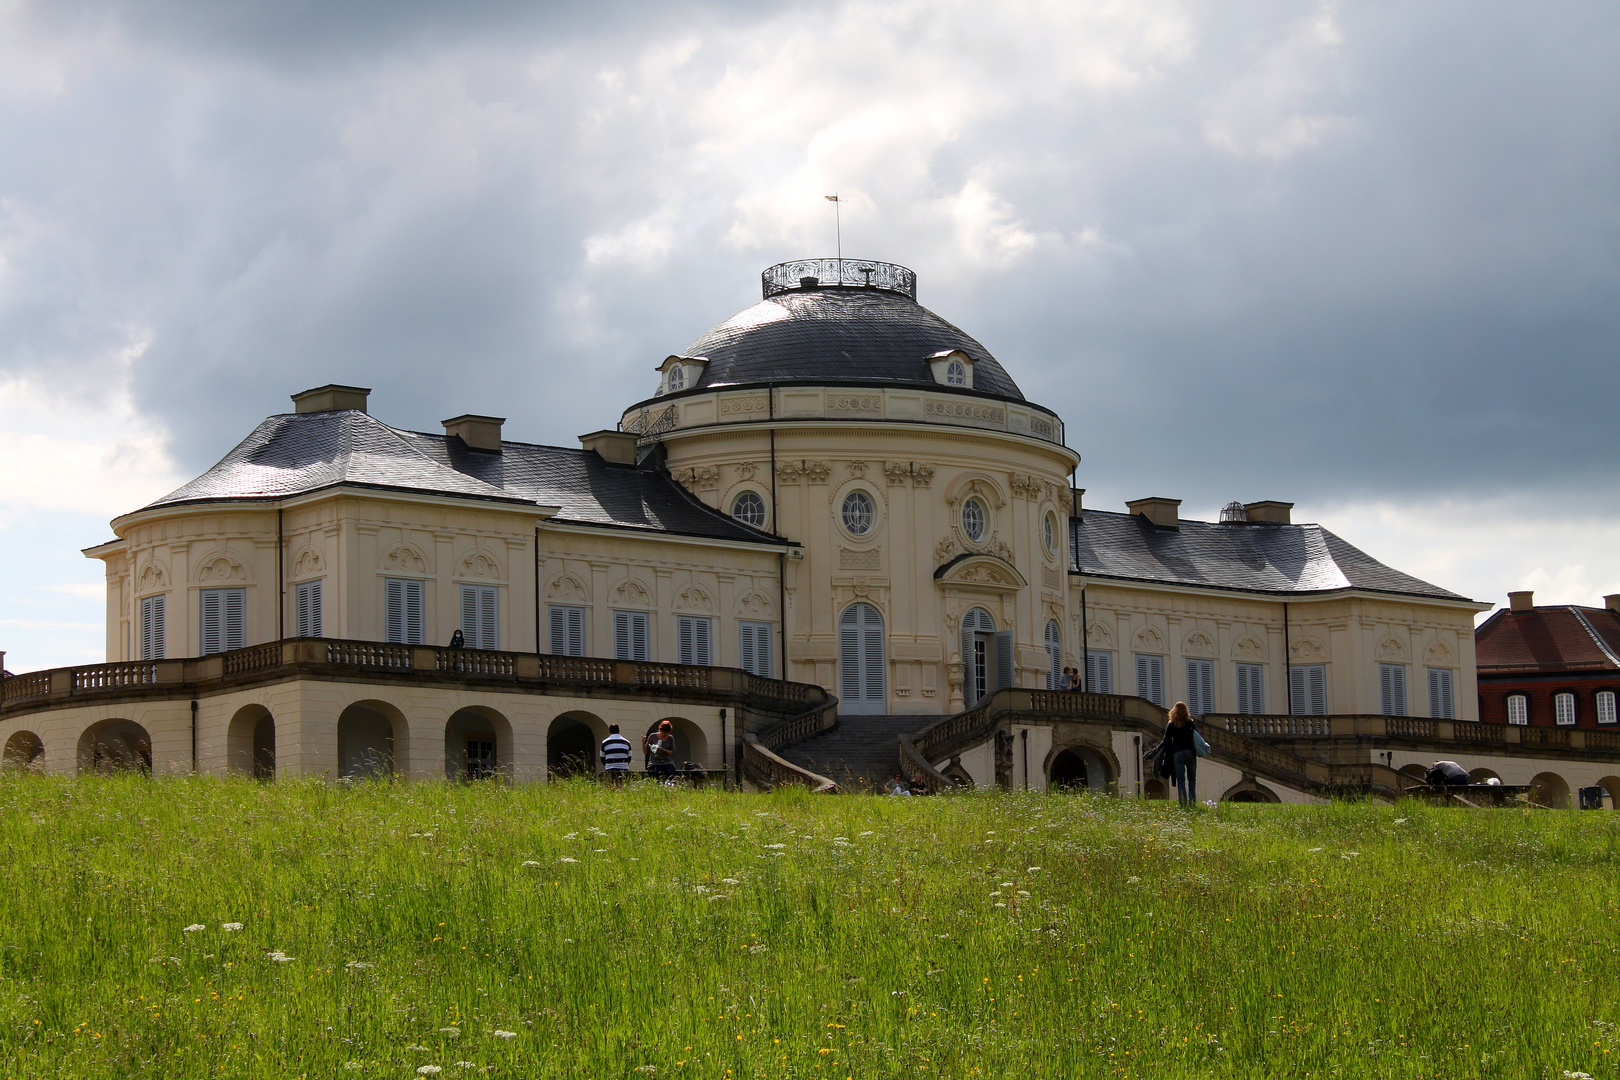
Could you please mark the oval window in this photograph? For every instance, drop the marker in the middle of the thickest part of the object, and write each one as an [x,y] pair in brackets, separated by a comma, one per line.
[749,509]
[858,513]
[1050,531]
[955,373]
[973,519]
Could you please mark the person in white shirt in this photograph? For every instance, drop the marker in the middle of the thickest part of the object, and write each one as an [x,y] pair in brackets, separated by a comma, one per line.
[616,755]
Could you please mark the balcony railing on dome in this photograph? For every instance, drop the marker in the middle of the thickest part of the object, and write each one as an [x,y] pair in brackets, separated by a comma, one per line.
[802,274]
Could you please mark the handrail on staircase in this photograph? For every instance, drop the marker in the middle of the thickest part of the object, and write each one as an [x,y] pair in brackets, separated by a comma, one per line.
[763,765]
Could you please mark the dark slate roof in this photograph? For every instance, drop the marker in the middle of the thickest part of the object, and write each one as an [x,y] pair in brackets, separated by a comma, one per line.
[840,335]
[293,454]
[1548,640]
[1282,559]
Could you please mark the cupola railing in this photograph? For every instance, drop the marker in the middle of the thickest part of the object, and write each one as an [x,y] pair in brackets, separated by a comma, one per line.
[803,275]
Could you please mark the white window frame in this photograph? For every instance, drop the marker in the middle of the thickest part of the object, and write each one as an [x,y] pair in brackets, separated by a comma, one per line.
[754,647]
[632,635]
[481,616]
[1251,689]
[1518,709]
[307,613]
[1099,676]
[1307,690]
[1564,714]
[567,630]
[694,640]
[154,626]
[756,503]
[1392,689]
[404,610]
[975,520]
[1442,701]
[858,513]
[1150,678]
[956,373]
[221,620]
[1604,706]
[675,379]
[1200,686]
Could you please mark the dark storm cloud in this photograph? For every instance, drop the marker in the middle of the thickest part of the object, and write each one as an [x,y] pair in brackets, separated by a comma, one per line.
[1248,251]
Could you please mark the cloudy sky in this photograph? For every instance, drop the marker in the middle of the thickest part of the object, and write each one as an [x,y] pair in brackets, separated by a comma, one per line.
[1364,257]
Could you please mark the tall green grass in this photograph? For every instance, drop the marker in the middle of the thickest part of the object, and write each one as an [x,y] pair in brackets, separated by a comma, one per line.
[581,932]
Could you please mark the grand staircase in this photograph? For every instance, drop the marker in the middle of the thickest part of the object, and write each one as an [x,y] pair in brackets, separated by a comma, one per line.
[861,753]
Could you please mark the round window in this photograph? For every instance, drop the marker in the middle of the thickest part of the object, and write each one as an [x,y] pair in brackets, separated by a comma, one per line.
[955,374]
[858,513]
[973,519]
[749,509]
[677,378]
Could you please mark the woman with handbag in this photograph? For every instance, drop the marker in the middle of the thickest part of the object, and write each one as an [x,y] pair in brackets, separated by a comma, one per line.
[1183,746]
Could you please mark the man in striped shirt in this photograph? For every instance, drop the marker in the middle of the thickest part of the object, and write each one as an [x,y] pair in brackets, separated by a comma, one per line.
[616,755]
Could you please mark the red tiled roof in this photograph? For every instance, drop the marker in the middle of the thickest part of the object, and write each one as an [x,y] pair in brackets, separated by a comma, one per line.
[1547,639]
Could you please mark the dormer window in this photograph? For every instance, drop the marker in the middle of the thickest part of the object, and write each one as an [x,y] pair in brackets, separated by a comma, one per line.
[952,367]
[680,373]
[677,379]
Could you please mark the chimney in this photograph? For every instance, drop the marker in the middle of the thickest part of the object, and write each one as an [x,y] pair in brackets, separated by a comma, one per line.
[1078,501]
[478,432]
[331,398]
[1165,513]
[1269,512]
[614,447]
[1522,601]
[1611,601]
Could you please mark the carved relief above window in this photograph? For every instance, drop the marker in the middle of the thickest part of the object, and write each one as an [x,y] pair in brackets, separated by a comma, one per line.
[309,563]
[568,588]
[405,559]
[1198,643]
[856,559]
[480,565]
[1099,635]
[746,470]
[1391,649]
[1248,648]
[153,576]
[693,598]
[1439,655]
[700,479]
[1308,648]
[220,568]
[632,593]
[1148,639]
[755,604]
[857,470]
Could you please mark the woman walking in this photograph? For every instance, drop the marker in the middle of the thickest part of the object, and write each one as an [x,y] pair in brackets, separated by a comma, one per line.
[1177,745]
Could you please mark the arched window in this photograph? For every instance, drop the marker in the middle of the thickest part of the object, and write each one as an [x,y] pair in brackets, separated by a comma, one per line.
[1518,709]
[858,513]
[1054,651]
[677,378]
[749,509]
[1564,708]
[956,373]
[986,656]
[973,520]
[861,682]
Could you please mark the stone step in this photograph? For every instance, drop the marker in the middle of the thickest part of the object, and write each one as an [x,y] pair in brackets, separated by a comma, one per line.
[861,753]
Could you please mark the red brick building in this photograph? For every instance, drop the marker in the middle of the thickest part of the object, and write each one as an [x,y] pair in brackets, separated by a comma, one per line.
[1554,666]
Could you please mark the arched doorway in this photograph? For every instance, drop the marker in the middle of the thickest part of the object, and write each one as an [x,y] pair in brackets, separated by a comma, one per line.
[115,746]
[1078,768]
[370,735]
[1483,776]
[570,748]
[1550,790]
[25,750]
[1154,788]
[1250,791]
[978,655]
[691,744]
[1611,784]
[861,683]
[477,744]
[250,743]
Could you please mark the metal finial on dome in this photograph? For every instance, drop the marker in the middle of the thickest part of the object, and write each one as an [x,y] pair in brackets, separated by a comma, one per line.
[1233,513]
[802,275]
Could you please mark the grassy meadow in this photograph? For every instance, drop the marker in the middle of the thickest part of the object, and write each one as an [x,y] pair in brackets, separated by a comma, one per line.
[199,927]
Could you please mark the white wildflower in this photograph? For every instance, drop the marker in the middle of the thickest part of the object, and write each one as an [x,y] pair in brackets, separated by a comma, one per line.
[775,847]
[1021,892]
[499,1034]
[729,881]
[1034,870]
[429,1070]
[868,832]
[572,836]
[452,1032]
[530,862]
[193,928]
[565,858]
[1312,851]
[650,1069]
[756,949]
[359,965]
[352,1065]
[230,927]
[465,1065]
[280,957]
[999,904]
[1004,885]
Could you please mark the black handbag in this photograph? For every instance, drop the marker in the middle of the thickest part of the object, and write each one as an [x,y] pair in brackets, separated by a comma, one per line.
[1161,763]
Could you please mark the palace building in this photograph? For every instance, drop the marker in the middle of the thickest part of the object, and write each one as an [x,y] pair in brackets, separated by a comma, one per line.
[835,526]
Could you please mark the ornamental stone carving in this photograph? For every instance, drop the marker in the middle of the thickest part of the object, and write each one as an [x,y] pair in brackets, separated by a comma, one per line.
[568,589]
[946,550]
[693,598]
[732,405]
[858,559]
[817,471]
[1099,633]
[857,470]
[868,403]
[788,472]
[1148,639]
[1248,648]
[1308,648]
[1198,643]
[632,593]
[1028,487]
[221,568]
[480,565]
[308,563]
[754,604]
[922,475]
[1391,650]
[896,472]
[1439,655]
[406,559]
[152,577]
[745,470]
[965,410]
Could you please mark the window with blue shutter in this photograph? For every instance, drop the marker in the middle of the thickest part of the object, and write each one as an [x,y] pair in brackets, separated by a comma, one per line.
[630,635]
[479,616]
[567,630]
[1201,686]
[754,648]
[307,600]
[1251,689]
[1150,678]
[1099,672]
[1441,702]
[154,628]
[1307,690]
[224,619]
[693,635]
[402,616]
[1392,689]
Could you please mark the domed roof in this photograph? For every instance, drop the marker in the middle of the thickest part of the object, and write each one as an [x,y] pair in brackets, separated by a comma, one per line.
[838,335]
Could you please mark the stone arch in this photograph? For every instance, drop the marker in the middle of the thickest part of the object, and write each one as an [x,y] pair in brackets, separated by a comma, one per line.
[1249,790]
[113,746]
[25,751]
[1550,790]
[572,742]
[250,743]
[1611,784]
[373,741]
[1483,775]
[1079,766]
[1155,788]
[1417,772]
[691,744]
[568,587]
[477,744]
